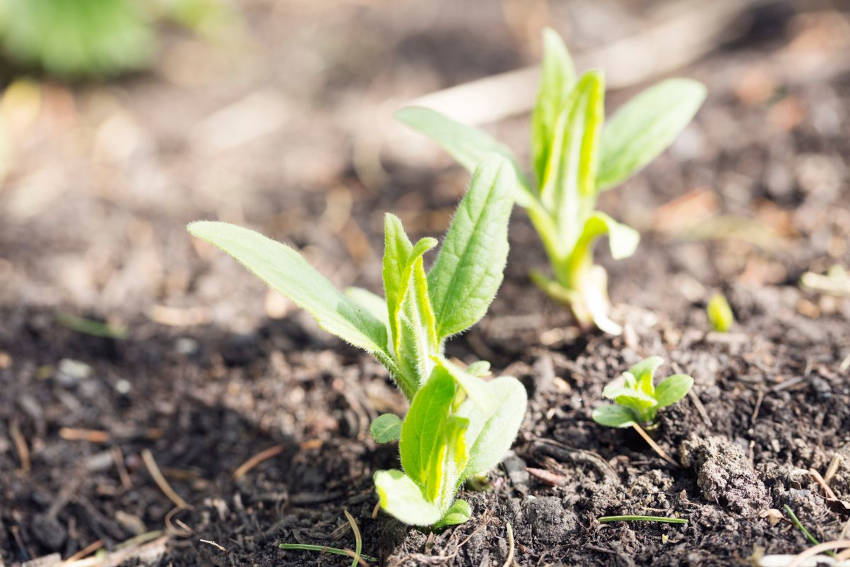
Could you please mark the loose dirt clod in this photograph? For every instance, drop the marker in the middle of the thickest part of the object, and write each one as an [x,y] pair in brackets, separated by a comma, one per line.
[724,474]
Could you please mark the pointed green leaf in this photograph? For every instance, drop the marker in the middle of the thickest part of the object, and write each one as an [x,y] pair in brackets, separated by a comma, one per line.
[386,428]
[569,181]
[672,389]
[432,446]
[622,239]
[400,497]
[459,513]
[288,272]
[468,145]
[493,429]
[556,81]
[399,258]
[613,416]
[644,127]
[469,268]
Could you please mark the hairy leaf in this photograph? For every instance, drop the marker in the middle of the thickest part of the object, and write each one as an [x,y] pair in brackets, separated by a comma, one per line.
[557,79]
[400,497]
[493,430]
[288,272]
[399,259]
[469,268]
[468,145]
[433,449]
[644,127]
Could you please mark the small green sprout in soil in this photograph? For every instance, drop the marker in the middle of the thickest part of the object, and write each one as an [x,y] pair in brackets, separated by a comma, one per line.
[574,160]
[458,426]
[658,519]
[720,313]
[636,399]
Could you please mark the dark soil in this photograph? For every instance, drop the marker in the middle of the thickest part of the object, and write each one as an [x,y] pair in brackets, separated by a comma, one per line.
[214,370]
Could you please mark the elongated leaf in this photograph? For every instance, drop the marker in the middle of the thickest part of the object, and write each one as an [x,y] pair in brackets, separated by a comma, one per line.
[557,79]
[418,329]
[400,497]
[493,430]
[470,265]
[386,428]
[613,416]
[672,389]
[399,258]
[569,181]
[644,127]
[622,239]
[288,272]
[423,433]
[474,387]
[468,145]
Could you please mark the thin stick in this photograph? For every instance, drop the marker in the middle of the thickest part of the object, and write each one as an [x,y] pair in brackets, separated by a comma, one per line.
[659,519]
[256,460]
[358,541]
[78,434]
[86,551]
[20,445]
[510,558]
[832,468]
[325,549]
[692,395]
[118,458]
[214,544]
[160,481]
[812,551]
[655,446]
[820,480]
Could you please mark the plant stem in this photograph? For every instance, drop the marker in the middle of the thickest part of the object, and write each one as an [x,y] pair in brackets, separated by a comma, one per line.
[659,519]
[655,446]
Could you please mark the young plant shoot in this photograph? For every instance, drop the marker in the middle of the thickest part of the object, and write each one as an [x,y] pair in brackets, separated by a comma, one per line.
[636,399]
[574,159]
[458,425]
[719,313]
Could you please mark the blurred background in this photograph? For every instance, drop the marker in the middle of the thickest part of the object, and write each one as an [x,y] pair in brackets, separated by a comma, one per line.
[123,120]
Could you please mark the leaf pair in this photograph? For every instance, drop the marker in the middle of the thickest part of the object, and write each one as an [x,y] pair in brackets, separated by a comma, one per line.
[409,327]
[458,426]
[574,157]
[637,399]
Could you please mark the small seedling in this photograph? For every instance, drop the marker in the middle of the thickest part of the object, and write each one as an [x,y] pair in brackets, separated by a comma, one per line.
[720,313]
[575,159]
[458,426]
[636,399]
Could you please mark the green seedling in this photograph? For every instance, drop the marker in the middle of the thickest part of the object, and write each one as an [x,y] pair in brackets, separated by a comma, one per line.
[574,159]
[458,426]
[636,399]
[719,313]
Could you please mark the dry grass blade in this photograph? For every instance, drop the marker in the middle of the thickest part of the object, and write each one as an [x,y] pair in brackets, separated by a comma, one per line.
[510,558]
[160,481]
[245,467]
[655,446]
[358,541]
